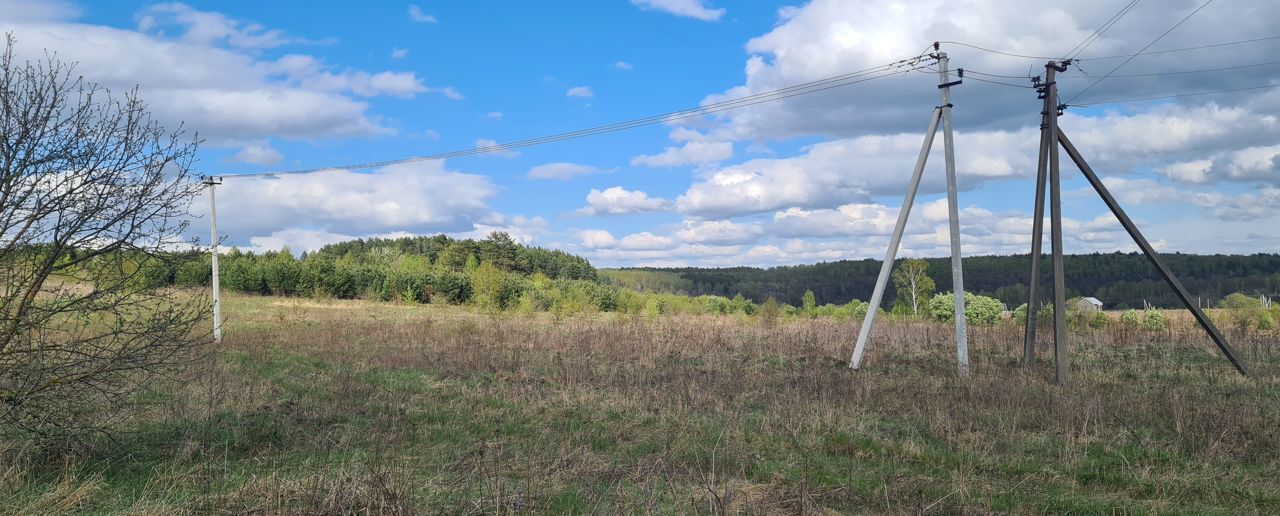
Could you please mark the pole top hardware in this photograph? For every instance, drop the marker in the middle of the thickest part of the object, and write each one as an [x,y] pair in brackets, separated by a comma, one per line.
[211,180]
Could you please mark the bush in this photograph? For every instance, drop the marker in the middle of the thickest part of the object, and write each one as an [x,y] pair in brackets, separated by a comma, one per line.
[1266,323]
[1153,320]
[769,312]
[1020,313]
[977,309]
[1099,320]
[1129,319]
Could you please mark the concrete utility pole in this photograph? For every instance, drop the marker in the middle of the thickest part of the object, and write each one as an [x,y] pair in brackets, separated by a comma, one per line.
[1051,138]
[212,182]
[941,114]
[1047,172]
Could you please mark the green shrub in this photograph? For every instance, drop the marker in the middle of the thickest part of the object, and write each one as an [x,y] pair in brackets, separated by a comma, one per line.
[1020,313]
[1153,320]
[1129,319]
[1099,320]
[977,309]
[1266,323]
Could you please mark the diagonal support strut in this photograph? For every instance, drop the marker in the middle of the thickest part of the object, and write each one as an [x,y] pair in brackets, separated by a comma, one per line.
[1152,256]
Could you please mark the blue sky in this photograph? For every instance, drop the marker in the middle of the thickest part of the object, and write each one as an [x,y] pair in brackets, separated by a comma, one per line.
[289,85]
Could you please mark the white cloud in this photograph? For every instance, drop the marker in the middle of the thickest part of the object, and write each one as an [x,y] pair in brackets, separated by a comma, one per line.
[258,154]
[617,201]
[597,238]
[623,65]
[207,71]
[298,240]
[561,171]
[485,143]
[645,241]
[416,14]
[211,28]
[696,9]
[20,10]
[419,198]
[399,53]
[834,173]
[719,232]
[580,91]
[691,153]
[825,38]
[493,115]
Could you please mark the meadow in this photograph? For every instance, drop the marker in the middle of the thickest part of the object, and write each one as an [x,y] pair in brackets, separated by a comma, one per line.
[353,407]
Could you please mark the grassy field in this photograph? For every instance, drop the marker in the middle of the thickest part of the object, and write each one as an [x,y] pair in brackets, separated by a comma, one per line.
[337,407]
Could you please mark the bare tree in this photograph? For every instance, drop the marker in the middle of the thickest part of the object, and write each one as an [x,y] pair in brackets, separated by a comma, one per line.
[94,198]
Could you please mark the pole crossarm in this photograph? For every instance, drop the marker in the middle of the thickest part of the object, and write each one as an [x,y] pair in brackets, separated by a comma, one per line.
[1151,254]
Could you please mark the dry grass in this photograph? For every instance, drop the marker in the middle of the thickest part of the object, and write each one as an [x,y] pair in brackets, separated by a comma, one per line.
[353,407]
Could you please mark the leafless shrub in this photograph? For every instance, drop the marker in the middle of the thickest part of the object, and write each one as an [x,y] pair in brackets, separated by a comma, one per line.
[93,198]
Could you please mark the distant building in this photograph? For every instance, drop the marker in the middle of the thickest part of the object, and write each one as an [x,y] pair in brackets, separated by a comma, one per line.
[1090,304]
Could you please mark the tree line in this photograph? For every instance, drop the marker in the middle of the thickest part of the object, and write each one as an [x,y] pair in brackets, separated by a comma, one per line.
[1120,280]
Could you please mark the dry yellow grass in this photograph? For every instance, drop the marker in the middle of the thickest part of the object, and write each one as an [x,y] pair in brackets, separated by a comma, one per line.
[356,407]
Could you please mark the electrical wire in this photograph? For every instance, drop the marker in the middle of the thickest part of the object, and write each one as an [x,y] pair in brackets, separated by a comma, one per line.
[1001,52]
[1184,72]
[1097,34]
[1119,56]
[1153,42]
[967,76]
[1153,52]
[998,82]
[1180,95]
[868,74]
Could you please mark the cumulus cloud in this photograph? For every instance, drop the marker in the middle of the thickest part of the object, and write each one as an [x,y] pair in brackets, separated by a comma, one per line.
[719,232]
[561,171]
[832,173]
[419,198]
[696,9]
[207,71]
[618,200]
[257,154]
[399,53]
[691,153]
[597,238]
[826,38]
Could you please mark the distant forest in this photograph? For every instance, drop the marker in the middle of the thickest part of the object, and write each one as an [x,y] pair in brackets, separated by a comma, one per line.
[1119,280]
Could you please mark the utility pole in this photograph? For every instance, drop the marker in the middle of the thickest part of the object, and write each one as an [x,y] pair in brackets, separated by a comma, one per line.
[1051,139]
[941,115]
[1037,230]
[212,182]
[953,216]
[1060,355]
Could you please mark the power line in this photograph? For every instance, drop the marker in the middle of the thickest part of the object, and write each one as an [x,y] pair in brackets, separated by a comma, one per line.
[998,82]
[1180,95]
[868,74]
[1153,42]
[971,71]
[1119,56]
[1184,72]
[965,74]
[1211,45]
[1001,52]
[1097,34]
